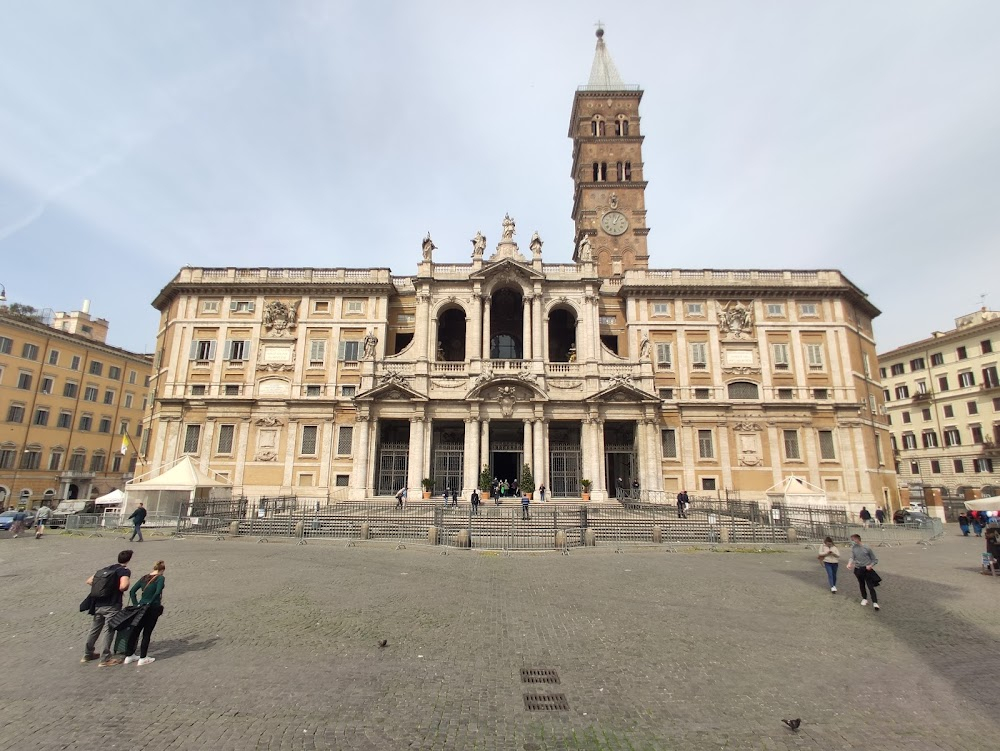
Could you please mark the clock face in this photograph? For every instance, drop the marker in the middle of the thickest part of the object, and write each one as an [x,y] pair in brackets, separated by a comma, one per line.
[614,223]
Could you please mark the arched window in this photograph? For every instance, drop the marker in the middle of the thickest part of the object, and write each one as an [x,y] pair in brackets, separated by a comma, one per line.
[600,172]
[743,390]
[621,126]
[597,126]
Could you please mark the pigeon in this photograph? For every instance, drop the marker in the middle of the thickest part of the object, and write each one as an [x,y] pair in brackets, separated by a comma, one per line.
[793,725]
[385,643]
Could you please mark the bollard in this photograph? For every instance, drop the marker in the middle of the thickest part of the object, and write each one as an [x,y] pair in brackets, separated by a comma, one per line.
[432,535]
[299,528]
[793,535]
[724,535]
[234,529]
[589,537]
[462,539]
[560,539]
[657,535]
[364,530]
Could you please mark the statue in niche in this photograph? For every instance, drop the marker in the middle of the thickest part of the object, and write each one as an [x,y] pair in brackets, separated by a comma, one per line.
[586,251]
[644,347]
[508,229]
[614,200]
[428,247]
[478,245]
[279,317]
[371,342]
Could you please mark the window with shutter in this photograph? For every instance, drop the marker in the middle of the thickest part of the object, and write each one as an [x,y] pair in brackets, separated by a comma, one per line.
[669,440]
[192,436]
[663,355]
[779,355]
[814,354]
[317,352]
[226,434]
[699,355]
[309,440]
[826,447]
[791,440]
[344,440]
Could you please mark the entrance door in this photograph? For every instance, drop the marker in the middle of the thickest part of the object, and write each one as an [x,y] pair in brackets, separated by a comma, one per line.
[393,464]
[621,466]
[506,465]
[564,473]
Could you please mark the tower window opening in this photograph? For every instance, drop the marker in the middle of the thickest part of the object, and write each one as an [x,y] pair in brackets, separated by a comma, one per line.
[628,171]
[620,171]
[621,126]
[597,127]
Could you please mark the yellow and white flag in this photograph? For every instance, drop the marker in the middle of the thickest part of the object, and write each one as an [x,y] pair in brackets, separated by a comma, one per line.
[125,444]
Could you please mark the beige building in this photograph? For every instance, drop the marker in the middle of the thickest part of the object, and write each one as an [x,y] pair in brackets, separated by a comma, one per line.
[942,397]
[66,398]
[304,380]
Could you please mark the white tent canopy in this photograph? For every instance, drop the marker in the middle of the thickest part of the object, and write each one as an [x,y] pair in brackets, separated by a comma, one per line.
[113,498]
[172,488]
[983,504]
[794,491]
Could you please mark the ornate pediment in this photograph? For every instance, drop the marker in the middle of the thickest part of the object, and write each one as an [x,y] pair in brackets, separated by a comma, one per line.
[487,384]
[506,269]
[393,389]
[622,390]
[280,318]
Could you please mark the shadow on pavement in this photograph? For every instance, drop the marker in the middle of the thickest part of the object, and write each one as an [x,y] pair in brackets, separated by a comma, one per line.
[175,647]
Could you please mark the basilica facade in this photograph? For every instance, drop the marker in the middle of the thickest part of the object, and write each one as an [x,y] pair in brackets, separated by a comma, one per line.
[601,372]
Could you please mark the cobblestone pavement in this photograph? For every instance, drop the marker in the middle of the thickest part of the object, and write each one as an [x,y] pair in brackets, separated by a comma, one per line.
[276,647]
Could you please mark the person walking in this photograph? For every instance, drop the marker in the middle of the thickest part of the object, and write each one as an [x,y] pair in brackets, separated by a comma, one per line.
[17,524]
[524,506]
[454,497]
[41,518]
[137,517]
[866,516]
[879,516]
[400,497]
[475,501]
[963,524]
[977,524]
[541,493]
[106,588]
[830,556]
[682,502]
[863,562]
[151,585]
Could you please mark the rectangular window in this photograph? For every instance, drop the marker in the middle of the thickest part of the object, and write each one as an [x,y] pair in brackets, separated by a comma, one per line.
[866,364]
[983,465]
[699,354]
[6,345]
[966,379]
[786,394]
[41,417]
[881,372]
[779,355]
[666,394]
[321,306]
[53,357]
[914,468]
[138,430]
[708,483]
[65,420]
[7,458]
[791,441]
[231,389]
[926,414]
[937,359]
[935,467]
[986,346]
[909,441]
[317,352]
[237,350]
[132,375]
[29,351]
[952,437]
[962,354]
[203,350]
[104,426]
[775,309]
[109,396]
[972,407]
[921,386]
[695,309]
[309,440]
[15,413]
[702,393]
[977,433]
[808,309]
[344,439]
[661,309]
[97,463]
[348,391]
[664,357]
[116,462]
[706,449]
[342,481]
[349,351]
[929,439]
[959,467]
[74,364]
[209,306]
[85,422]
[24,380]
[90,394]
[128,401]
[668,439]
[826,447]
[114,372]
[76,462]
[314,390]
[903,392]
[821,394]
[917,364]
[898,369]
[814,355]
[949,411]
[871,403]
[241,306]
[996,403]
[198,389]
[47,385]
[990,377]
[123,427]
[192,436]
[226,434]
[55,461]
[96,368]
[31,459]
[885,395]
[354,307]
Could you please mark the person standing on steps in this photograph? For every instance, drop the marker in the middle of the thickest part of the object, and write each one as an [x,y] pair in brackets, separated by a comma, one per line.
[863,562]
[137,517]
[475,501]
[541,493]
[682,502]
[524,506]
[829,555]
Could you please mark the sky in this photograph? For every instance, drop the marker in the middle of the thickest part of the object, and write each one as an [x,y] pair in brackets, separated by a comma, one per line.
[140,137]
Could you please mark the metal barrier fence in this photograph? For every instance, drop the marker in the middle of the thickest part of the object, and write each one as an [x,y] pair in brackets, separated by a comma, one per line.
[110,524]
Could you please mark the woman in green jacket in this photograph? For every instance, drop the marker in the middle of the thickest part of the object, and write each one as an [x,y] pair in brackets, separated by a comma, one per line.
[152,591]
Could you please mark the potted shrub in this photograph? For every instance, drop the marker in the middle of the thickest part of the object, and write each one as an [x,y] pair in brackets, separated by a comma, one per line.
[527,481]
[585,484]
[485,481]
[428,485]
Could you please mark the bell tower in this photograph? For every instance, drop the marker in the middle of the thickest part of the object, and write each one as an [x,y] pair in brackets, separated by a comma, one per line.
[609,199]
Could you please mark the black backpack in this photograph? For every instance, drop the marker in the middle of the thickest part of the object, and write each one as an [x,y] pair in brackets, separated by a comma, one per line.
[106,582]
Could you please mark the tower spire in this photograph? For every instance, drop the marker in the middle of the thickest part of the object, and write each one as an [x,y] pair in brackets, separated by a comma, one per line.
[603,73]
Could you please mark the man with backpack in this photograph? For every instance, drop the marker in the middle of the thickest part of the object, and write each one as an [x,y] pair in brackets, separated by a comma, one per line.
[106,588]
[138,517]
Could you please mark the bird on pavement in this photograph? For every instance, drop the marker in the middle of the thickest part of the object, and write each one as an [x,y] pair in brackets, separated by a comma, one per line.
[793,725]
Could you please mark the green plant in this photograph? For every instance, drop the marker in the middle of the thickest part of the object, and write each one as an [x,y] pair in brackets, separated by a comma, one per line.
[585,484]
[485,479]
[428,484]
[527,480]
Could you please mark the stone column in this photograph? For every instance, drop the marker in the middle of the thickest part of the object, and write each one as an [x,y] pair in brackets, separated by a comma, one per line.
[598,477]
[487,314]
[536,320]
[415,461]
[421,325]
[474,336]
[654,469]
[484,442]
[471,455]
[527,456]
[526,328]
[538,457]
[359,477]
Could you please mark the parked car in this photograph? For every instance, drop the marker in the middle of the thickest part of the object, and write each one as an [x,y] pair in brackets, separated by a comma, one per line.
[916,518]
[7,519]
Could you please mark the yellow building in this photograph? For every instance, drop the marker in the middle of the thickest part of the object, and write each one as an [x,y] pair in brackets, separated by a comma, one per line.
[66,400]
[601,369]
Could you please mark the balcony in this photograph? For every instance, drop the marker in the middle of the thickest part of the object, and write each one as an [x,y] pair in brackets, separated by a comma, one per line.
[922,396]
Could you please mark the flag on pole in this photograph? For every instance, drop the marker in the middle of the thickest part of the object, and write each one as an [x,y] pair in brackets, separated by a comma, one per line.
[125,444]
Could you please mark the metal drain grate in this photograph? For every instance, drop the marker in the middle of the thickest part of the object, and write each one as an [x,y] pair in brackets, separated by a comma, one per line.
[534,675]
[545,702]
